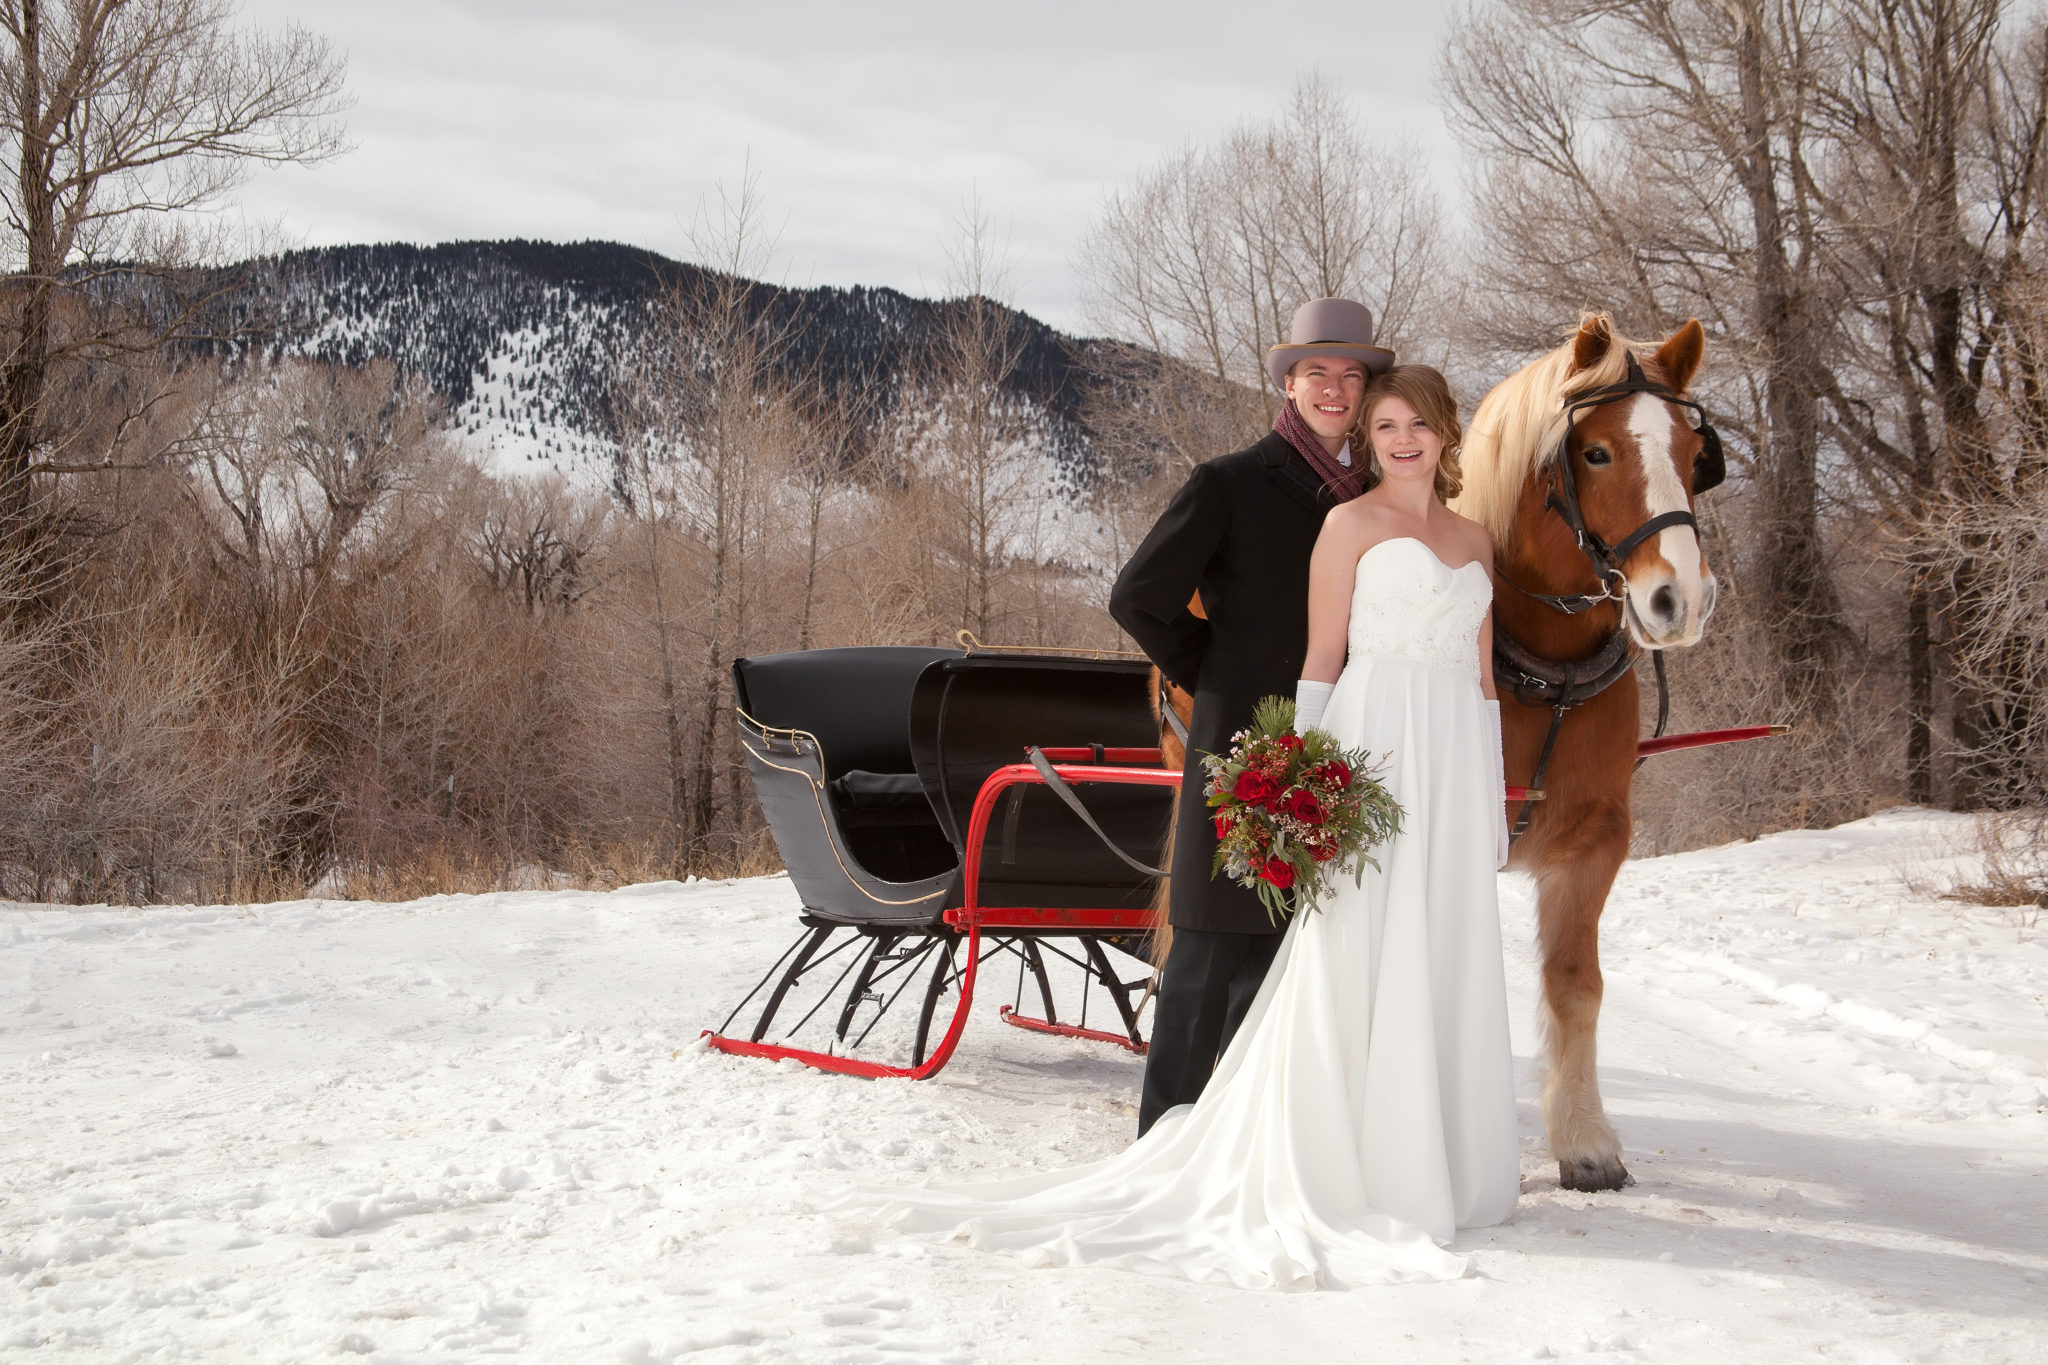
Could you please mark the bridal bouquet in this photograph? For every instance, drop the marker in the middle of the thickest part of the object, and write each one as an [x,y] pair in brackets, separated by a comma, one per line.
[1290,808]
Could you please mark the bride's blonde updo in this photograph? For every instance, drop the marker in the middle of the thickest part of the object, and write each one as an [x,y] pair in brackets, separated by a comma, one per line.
[1423,388]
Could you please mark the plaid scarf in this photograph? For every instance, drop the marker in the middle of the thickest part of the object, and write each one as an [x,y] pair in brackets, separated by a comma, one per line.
[1344,484]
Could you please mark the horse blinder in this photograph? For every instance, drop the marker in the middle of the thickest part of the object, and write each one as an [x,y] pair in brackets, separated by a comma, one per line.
[1710,468]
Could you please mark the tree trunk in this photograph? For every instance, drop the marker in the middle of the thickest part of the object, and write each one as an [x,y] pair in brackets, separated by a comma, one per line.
[25,372]
[1798,590]
[815,512]
[671,716]
[1919,695]
[703,796]
[1920,657]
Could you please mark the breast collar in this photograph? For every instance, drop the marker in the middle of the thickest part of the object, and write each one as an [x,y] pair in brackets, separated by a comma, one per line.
[1545,682]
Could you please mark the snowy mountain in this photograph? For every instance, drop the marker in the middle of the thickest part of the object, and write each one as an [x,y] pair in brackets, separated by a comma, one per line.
[523,338]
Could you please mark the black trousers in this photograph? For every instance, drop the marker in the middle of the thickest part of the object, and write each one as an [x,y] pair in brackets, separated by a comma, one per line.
[1204,991]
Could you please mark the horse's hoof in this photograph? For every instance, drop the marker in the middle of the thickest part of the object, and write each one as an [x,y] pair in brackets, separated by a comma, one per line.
[1594,1174]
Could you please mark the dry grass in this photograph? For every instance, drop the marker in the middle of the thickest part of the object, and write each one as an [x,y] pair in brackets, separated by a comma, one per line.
[281,671]
[2014,872]
[473,869]
[1839,763]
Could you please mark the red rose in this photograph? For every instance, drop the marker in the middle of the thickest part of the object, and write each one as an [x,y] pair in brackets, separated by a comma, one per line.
[1322,853]
[1303,806]
[1254,787]
[1336,772]
[1223,825]
[1278,871]
[1289,741]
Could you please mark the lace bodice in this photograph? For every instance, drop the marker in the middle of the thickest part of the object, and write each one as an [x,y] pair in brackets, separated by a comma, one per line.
[1407,604]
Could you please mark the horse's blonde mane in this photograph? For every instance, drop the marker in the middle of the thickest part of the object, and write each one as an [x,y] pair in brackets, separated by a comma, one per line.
[1518,426]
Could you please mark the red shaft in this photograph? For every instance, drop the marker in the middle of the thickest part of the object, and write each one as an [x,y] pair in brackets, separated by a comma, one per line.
[1700,739]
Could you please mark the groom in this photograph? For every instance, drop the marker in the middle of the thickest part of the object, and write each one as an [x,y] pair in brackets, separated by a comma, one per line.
[1240,531]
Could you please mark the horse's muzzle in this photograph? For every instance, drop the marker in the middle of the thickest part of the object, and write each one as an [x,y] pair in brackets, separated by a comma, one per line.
[1664,611]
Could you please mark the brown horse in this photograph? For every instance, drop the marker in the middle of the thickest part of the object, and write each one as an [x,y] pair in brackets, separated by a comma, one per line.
[1630,463]
[1627,463]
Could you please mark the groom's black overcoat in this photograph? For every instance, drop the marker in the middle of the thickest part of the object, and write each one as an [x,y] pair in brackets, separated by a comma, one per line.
[1241,531]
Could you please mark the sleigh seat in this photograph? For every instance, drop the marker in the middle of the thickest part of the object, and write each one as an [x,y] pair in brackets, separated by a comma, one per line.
[916,797]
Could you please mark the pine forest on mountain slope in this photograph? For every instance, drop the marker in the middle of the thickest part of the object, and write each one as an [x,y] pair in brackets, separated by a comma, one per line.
[564,315]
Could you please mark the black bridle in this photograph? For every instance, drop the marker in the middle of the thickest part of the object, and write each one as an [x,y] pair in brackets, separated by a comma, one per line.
[1562,494]
[1562,686]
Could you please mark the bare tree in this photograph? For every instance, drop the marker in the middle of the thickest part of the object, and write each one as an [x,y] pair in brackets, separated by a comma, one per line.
[1847,190]
[829,453]
[351,437]
[537,539]
[1658,159]
[973,456]
[1989,315]
[702,404]
[2000,658]
[1203,260]
[1904,107]
[1936,133]
[646,437]
[297,464]
[118,120]
[32,651]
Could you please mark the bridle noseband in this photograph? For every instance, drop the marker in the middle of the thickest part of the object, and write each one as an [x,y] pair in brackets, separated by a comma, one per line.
[1561,686]
[1562,494]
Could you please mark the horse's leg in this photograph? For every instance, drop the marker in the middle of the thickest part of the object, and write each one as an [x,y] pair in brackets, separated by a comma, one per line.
[1574,871]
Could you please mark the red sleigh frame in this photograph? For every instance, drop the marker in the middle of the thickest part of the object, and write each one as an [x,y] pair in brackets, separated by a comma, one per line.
[972,918]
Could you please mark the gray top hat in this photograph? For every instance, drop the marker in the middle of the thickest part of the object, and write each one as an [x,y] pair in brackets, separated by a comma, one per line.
[1328,327]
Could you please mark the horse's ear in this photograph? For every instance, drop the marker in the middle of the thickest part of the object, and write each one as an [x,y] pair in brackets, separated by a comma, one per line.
[1679,356]
[1591,344]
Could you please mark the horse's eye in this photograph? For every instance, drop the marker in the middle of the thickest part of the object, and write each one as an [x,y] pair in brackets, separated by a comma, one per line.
[1597,455]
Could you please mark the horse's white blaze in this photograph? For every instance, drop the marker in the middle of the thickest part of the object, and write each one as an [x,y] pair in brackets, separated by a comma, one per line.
[1684,567]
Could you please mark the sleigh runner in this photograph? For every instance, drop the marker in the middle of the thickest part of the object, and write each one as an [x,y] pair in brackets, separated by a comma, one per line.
[938,809]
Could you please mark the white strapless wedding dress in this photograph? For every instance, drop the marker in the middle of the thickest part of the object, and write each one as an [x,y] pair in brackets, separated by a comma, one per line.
[1365,1110]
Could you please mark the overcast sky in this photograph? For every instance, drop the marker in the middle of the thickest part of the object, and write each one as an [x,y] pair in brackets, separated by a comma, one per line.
[869,123]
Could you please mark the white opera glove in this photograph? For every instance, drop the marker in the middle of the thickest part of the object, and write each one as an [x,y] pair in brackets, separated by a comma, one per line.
[1500,790]
[1311,699]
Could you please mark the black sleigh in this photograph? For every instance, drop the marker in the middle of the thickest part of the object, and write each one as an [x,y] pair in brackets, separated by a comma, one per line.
[938,808]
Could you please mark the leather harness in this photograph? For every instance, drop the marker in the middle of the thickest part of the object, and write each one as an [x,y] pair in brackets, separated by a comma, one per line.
[1561,686]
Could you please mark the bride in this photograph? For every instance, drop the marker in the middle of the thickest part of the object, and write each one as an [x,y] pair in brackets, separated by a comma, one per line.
[1365,1109]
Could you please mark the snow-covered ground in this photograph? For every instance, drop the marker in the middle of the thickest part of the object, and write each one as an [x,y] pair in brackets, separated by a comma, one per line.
[480,1125]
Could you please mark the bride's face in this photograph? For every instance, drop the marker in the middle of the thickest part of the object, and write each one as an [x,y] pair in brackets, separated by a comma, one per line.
[1402,441]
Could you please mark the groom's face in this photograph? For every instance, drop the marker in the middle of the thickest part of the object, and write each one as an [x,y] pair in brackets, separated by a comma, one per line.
[1327,390]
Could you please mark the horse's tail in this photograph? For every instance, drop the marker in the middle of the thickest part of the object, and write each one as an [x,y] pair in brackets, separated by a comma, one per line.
[1162,899]
[1172,754]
